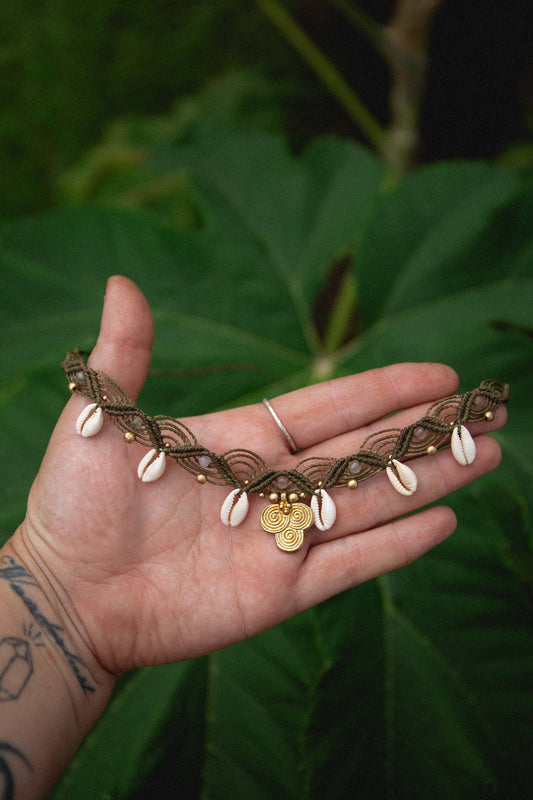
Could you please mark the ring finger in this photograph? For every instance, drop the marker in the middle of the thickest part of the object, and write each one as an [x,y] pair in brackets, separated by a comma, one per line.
[375,502]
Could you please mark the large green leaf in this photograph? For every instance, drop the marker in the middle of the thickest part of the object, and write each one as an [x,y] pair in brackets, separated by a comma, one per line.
[417,243]
[415,685]
[151,710]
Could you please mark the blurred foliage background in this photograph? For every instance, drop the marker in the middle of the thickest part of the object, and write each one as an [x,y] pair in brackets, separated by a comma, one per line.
[70,68]
[303,189]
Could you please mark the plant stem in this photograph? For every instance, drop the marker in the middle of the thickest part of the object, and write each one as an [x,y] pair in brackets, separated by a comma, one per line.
[324,70]
[404,46]
[341,313]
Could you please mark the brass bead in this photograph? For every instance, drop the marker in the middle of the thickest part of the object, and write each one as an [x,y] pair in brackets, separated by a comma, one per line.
[72,386]
[293,497]
[489,416]
[201,478]
[431,450]
[105,398]
[273,497]
[352,484]
[129,437]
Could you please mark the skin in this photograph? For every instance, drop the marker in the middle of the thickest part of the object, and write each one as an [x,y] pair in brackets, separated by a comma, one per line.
[139,574]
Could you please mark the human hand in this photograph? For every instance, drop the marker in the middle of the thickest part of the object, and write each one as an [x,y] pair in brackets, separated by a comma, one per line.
[148,574]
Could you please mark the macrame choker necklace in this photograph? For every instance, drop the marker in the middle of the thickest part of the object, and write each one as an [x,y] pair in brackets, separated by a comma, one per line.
[246,473]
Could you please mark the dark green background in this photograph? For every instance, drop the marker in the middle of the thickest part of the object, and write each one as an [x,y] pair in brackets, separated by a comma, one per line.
[272,256]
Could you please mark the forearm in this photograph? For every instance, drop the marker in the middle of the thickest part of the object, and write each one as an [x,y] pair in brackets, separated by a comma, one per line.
[51,689]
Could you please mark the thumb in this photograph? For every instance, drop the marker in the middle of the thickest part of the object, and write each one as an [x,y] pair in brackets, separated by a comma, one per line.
[124,346]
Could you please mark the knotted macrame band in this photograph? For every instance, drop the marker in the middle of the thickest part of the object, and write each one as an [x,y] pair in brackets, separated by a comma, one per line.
[443,424]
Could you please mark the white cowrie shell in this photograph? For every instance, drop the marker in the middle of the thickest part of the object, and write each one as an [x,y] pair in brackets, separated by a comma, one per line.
[463,445]
[90,420]
[324,510]
[234,508]
[152,466]
[402,478]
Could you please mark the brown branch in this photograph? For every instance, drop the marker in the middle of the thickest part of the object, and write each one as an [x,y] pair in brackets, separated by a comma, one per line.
[404,46]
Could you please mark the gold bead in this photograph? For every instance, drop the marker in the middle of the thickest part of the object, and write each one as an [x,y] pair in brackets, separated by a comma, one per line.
[201,478]
[431,450]
[105,398]
[293,497]
[261,494]
[489,416]
[72,386]
[129,437]
[273,497]
[352,484]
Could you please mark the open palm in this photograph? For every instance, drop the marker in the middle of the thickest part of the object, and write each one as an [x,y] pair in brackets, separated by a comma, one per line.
[150,573]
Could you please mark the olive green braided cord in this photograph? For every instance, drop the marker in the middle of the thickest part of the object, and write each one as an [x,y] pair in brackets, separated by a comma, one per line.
[245,470]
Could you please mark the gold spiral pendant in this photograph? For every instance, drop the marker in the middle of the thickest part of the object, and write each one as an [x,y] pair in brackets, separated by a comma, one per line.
[288,521]
[273,520]
[290,539]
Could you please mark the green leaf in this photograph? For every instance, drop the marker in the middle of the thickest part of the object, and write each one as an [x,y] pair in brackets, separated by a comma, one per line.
[417,684]
[416,245]
[298,216]
[147,714]
[476,627]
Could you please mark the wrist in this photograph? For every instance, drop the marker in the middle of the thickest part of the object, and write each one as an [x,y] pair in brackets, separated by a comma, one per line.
[51,687]
[46,604]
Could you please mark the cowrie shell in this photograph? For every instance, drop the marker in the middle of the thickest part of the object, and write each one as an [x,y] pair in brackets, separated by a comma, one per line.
[152,466]
[90,420]
[402,478]
[463,445]
[234,508]
[324,510]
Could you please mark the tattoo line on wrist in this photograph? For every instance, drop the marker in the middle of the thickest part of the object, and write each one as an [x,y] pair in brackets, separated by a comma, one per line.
[5,770]
[17,576]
